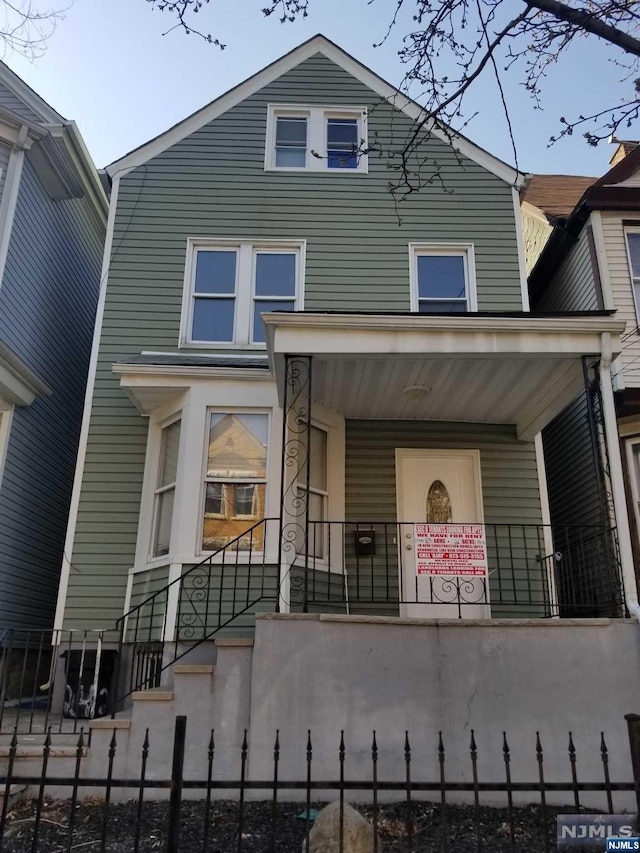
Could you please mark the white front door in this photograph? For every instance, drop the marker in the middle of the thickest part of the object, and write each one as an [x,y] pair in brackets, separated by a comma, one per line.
[438,487]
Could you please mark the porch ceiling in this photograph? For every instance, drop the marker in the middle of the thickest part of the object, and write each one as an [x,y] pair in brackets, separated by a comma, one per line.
[516,370]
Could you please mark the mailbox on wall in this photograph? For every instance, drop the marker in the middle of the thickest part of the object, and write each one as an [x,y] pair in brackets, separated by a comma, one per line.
[365,540]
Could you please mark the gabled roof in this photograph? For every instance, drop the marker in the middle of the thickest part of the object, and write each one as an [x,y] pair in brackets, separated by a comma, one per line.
[556,195]
[28,96]
[315,45]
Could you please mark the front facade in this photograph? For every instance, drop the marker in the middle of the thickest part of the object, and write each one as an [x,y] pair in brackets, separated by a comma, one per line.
[291,372]
[53,211]
[591,261]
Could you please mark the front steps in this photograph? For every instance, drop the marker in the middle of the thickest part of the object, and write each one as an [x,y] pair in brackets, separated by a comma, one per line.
[211,697]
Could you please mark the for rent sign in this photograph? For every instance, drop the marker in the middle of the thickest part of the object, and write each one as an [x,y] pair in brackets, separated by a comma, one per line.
[451,549]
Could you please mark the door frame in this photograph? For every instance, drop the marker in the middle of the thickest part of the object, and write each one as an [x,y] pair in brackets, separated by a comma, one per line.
[402,453]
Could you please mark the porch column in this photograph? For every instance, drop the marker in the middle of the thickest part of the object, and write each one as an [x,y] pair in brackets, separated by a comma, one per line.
[617,486]
[294,484]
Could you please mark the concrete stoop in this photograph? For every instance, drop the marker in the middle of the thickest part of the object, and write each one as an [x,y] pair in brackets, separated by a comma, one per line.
[211,697]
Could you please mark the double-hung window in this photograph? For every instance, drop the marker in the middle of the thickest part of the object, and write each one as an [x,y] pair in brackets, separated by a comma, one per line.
[633,253]
[235,480]
[316,139]
[165,489]
[229,285]
[442,279]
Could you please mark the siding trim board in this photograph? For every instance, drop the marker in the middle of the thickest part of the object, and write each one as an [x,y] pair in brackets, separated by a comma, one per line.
[315,45]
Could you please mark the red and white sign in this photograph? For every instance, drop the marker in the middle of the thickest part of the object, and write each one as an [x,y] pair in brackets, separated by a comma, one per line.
[451,549]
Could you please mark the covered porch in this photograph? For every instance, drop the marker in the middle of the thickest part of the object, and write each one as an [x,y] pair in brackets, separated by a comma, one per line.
[441,419]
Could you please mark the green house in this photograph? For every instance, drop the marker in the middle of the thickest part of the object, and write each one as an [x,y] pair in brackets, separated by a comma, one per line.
[307,394]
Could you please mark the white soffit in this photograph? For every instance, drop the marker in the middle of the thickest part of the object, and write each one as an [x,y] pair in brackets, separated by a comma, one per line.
[317,44]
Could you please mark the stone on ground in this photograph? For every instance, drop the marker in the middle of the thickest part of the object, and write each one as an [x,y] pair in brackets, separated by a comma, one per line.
[325,834]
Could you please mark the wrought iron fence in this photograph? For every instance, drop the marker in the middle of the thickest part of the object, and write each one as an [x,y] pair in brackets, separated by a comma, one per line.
[408,813]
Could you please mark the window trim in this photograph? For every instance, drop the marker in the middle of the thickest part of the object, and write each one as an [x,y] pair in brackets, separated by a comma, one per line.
[630,229]
[244,296]
[199,551]
[466,250]
[317,137]
[176,417]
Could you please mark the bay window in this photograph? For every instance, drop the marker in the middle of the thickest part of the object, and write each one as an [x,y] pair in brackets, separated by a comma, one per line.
[235,480]
[165,488]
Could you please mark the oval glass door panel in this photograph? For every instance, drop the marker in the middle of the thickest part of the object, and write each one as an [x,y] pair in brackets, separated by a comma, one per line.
[438,509]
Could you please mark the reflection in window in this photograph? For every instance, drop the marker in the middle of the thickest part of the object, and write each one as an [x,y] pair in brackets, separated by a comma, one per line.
[235,480]
[438,509]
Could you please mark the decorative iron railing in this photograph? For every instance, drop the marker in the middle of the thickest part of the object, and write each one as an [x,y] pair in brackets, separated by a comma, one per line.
[413,800]
[533,571]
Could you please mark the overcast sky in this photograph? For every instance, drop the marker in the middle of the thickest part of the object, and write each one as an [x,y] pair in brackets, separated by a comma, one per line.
[109,67]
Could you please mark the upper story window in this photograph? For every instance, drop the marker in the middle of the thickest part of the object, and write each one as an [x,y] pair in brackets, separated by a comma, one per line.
[633,252]
[230,284]
[316,139]
[442,278]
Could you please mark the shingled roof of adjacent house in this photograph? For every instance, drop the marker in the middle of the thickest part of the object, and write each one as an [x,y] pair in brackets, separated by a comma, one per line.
[556,195]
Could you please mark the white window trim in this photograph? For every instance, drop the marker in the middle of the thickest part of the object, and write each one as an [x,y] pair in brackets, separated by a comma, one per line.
[633,480]
[269,480]
[316,137]
[245,286]
[466,250]
[631,229]
[6,419]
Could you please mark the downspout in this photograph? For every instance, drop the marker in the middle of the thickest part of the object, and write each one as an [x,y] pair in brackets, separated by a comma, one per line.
[617,479]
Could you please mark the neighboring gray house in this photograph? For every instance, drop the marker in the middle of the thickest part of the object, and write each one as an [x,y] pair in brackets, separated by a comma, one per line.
[53,210]
[589,259]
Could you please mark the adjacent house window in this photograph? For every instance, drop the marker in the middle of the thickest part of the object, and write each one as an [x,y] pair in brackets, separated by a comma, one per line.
[633,251]
[235,481]
[165,489]
[442,279]
[228,287]
[316,139]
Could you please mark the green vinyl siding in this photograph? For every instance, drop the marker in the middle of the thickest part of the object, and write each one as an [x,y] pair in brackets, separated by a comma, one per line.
[213,184]
[510,494]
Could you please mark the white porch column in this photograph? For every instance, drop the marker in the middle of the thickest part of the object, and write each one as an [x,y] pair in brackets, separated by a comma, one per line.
[617,486]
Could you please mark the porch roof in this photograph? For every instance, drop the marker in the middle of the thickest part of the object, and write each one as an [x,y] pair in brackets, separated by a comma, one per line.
[519,369]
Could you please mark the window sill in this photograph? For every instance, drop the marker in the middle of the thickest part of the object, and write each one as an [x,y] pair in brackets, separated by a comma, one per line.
[300,170]
[211,345]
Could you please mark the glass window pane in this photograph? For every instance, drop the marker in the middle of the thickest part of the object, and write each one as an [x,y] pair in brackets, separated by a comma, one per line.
[213,320]
[291,131]
[237,446]
[262,306]
[169,443]
[441,276]
[275,274]
[245,500]
[291,157]
[218,532]
[164,516]
[215,272]
[318,459]
[427,306]
[633,241]
[342,159]
[342,132]
[215,500]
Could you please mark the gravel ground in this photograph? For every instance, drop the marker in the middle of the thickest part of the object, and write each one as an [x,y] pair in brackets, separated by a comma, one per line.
[256,836]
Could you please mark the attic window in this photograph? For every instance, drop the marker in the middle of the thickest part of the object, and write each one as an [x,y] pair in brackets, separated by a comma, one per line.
[316,139]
